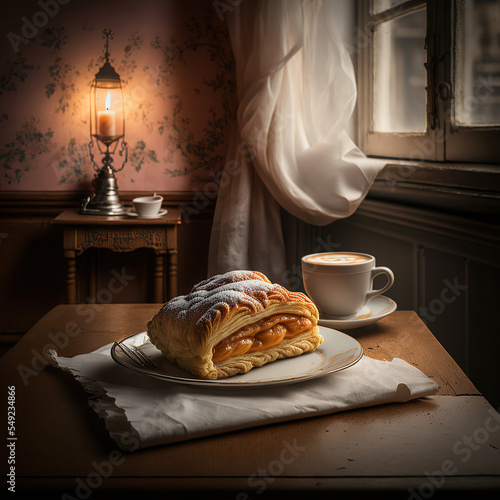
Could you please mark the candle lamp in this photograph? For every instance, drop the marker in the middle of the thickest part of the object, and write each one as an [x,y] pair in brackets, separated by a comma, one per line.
[107,133]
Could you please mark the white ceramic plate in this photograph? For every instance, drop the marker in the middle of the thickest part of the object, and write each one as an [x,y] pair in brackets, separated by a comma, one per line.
[378,308]
[163,211]
[337,352]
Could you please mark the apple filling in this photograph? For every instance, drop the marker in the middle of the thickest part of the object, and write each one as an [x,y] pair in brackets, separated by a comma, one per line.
[261,335]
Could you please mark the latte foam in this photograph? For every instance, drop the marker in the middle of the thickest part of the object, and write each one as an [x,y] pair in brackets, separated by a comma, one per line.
[338,258]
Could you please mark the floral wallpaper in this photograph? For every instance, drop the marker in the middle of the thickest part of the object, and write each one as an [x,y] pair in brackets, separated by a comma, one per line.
[177,70]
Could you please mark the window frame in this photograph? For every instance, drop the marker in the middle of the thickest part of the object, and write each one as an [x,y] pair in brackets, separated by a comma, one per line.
[441,141]
[443,172]
[385,144]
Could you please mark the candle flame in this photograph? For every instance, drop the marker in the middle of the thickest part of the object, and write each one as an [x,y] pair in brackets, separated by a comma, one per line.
[108,101]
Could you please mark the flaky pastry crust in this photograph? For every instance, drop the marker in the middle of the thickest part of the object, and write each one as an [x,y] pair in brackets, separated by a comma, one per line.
[188,327]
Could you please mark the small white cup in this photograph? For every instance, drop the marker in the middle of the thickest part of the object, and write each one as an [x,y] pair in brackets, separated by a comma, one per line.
[148,206]
[341,283]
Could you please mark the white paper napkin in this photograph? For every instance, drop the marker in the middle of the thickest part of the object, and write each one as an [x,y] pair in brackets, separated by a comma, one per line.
[140,411]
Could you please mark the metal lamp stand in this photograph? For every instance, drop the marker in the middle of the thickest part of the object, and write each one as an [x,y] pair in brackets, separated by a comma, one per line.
[105,199]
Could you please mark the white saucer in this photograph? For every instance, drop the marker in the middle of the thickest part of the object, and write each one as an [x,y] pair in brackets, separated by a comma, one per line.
[378,307]
[156,216]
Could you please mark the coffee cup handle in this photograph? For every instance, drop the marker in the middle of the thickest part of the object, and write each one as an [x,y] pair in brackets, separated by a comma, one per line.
[390,281]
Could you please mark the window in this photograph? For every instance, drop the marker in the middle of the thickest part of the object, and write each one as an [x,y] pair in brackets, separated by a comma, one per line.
[429,80]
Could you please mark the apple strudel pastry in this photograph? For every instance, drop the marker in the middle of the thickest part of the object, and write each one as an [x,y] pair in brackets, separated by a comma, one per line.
[233,322]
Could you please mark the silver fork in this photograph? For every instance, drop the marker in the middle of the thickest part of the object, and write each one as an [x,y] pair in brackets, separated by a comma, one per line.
[136,355]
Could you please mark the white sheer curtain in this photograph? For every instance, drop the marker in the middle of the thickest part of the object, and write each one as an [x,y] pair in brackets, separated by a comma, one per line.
[297,91]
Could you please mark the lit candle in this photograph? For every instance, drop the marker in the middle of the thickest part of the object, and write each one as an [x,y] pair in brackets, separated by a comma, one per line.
[106,120]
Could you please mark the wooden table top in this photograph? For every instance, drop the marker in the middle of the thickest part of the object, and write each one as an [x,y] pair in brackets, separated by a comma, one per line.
[72,217]
[386,450]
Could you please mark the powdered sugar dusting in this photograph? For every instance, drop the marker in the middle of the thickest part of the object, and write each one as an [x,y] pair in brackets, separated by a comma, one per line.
[215,295]
[229,277]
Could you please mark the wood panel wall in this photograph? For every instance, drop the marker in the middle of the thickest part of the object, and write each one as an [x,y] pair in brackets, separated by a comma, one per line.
[32,267]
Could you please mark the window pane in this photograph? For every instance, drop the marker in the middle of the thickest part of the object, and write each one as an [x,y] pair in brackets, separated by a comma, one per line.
[399,74]
[381,5]
[477,69]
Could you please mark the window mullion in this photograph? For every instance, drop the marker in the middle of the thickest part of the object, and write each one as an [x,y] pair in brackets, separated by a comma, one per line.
[436,81]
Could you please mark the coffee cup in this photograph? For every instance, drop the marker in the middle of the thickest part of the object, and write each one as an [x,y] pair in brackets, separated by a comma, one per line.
[147,206]
[341,283]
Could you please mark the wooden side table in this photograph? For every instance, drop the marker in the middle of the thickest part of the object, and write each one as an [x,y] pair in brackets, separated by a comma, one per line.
[122,234]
